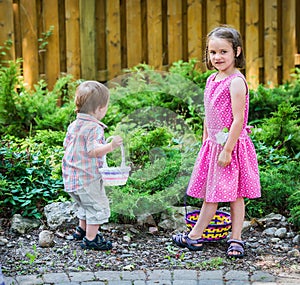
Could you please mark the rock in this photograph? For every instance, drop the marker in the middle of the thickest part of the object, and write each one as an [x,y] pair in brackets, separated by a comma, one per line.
[61,214]
[281,233]
[174,219]
[3,241]
[294,252]
[146,219]
[153,230]
[46,239]
[296,239]
[22,225]
[270,231]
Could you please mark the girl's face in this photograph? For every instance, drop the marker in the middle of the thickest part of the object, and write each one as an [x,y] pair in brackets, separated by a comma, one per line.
[221,54]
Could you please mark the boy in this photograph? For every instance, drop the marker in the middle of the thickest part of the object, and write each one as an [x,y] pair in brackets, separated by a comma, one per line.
[85,146]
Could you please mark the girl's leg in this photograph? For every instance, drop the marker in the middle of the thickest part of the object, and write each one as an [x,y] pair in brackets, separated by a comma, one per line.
[237,209]
[207,212]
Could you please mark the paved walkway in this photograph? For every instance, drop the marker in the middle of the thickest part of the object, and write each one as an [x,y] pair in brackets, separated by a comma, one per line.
[157,277]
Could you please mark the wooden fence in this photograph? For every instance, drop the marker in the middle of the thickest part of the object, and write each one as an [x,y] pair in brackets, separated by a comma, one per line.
[98,39]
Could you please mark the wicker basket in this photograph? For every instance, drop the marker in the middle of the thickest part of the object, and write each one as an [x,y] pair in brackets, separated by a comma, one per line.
[218,228]
[115,176]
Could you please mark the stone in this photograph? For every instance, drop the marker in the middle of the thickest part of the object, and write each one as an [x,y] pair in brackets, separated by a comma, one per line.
[270,231]
[46,239]
[61,214]
[296,239]
[281,233]
[22,225]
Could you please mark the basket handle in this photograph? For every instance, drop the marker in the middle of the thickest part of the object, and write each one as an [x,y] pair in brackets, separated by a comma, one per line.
[122,153]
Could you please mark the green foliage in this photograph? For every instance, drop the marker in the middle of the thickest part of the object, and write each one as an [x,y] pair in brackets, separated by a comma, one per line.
[28,176]
[282,130]
[160,117]
[23,112]
[278,184]
[43,41]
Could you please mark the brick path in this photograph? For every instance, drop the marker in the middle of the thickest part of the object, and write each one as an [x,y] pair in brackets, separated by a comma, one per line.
[156,277]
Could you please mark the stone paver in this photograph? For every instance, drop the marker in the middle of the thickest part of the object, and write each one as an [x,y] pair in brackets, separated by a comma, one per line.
[156,277]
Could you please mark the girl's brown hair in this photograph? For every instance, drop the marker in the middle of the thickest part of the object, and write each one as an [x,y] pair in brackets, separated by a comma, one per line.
[231,35]
[89,96]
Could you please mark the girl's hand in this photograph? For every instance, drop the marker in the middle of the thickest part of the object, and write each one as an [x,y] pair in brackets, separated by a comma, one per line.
[116,142]
[224,158]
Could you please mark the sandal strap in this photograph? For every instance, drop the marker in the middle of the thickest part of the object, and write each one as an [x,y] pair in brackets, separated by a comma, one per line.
[240,242]
[237,248]
[80,230]
[190,241]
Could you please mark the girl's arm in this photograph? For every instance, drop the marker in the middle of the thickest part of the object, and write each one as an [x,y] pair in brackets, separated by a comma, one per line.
[238,91]
[204,134]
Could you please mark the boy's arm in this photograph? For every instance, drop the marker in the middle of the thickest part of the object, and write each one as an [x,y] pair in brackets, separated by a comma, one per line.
[103,149]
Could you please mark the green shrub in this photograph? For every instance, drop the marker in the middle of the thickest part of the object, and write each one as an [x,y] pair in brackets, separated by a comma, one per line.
[24,111]
[28,176]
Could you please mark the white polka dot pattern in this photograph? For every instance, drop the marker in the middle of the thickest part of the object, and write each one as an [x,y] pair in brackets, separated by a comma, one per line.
[241,177]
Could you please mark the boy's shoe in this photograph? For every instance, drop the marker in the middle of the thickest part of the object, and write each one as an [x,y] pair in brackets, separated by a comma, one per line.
[79,234]
[98,243]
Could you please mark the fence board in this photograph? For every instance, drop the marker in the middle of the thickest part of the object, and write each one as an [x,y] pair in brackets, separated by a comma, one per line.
[97,38]
[213,14]
[233,13]
[288,36]
[101,35]
[134,33]
[87,38]
[52,55]
[7,28]
[174,30]
[72,37]
[196,39]
[28,18]
[270,56]
[113,39]
[154,33]
[251,43]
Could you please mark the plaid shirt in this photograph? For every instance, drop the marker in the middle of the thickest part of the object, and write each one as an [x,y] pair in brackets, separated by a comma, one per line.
[78,168]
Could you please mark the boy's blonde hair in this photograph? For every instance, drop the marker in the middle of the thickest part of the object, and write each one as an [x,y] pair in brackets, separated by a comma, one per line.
[89,96]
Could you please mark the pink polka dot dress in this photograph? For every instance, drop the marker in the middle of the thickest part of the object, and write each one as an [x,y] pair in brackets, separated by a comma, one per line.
[240,178]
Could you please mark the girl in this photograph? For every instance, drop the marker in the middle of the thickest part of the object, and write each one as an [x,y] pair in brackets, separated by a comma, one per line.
[226,168]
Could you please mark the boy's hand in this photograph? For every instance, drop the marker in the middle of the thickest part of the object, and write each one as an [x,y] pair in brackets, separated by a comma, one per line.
[116,142]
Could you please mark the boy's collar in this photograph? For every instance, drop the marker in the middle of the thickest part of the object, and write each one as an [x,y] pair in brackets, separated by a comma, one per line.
[88,117]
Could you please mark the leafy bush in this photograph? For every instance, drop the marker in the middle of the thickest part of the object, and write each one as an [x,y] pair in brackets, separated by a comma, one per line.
[28,176]
[23,111]
[278,184]
[160,116]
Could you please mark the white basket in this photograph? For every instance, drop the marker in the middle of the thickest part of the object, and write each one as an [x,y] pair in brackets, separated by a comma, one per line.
[115,176]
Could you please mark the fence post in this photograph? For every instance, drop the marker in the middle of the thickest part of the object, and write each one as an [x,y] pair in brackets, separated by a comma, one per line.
[252,43]
[113,38]
[29,41]
[288,37]
[154,33]
[72,38]
[194,30]
[52,54]
[270,48]
[88,39]
[134,32]
[174,30]
[7,28]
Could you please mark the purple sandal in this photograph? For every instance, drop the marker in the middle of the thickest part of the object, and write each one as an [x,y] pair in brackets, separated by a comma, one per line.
[191,244]
[239,247]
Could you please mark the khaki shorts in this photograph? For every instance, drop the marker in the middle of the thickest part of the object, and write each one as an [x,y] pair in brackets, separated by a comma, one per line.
[93,204]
